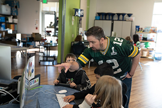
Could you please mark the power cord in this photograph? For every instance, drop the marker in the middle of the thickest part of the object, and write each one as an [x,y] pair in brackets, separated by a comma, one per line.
[4,91]
[13,99]
[45,92]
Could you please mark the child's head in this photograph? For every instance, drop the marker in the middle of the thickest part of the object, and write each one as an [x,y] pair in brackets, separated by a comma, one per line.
[135,38]
[104,69]
[129,39]
[70,58]
[109,91]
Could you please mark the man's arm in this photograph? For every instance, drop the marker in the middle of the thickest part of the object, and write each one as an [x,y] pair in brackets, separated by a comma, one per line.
[67,66]
[135,62]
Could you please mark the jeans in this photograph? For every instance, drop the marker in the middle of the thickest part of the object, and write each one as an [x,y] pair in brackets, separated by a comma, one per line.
[128,83]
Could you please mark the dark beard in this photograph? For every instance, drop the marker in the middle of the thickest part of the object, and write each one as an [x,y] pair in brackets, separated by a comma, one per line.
[98,50]
[101,47]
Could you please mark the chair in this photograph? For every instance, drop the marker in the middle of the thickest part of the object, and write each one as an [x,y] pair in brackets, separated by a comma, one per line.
[77,48]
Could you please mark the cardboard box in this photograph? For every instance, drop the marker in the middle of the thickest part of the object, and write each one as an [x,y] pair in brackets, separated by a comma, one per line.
[5,9]
[37,36]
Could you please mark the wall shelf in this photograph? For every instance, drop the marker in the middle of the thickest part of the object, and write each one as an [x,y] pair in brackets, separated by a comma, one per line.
[151,37]
[146,33]
[10,23]
[8,15]
[147,41]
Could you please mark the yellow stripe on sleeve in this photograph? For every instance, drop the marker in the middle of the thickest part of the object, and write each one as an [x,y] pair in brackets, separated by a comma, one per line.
[81,60]
[132,52]
[84,57]
[136,52]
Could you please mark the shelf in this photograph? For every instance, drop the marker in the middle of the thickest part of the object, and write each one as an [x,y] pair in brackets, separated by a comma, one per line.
[147,56]
[147,49]
[112,20]
[145,33]
[10,23]
[147,41]
[7,15]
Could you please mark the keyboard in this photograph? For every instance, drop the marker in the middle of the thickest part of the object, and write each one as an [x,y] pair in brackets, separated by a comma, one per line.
[61,100]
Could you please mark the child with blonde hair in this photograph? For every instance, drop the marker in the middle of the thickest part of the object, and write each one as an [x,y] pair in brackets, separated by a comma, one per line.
[108,91]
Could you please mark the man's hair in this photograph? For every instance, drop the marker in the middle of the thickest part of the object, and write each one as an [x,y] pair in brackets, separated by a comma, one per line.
[96,31]
[104,69]
[70,55]
[109,91]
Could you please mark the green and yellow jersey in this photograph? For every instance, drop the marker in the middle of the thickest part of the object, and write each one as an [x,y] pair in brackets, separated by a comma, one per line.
[118,53]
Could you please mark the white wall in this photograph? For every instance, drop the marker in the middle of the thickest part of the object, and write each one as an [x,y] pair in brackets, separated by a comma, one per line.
[92,12]
[142,10]
[27,13]
[83,5]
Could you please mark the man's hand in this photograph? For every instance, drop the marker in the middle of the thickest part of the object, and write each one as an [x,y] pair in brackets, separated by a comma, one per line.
[69,98]
[68,106]
[127,76]
[65,65]
[73,85]
[56,82]
[90,99]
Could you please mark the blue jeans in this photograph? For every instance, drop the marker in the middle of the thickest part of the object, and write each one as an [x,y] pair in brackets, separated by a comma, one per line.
[128,83]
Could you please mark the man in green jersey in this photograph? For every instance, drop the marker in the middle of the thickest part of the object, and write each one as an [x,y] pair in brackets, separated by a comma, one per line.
[118,52]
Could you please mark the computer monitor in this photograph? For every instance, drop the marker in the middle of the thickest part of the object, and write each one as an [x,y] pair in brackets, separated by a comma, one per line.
[27,75]
[5,62]
[23,90]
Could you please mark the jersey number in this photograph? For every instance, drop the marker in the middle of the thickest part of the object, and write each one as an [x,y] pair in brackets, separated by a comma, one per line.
[118,41]
[116,65]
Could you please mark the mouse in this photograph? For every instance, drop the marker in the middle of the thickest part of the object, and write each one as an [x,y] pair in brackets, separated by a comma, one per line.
[62,91]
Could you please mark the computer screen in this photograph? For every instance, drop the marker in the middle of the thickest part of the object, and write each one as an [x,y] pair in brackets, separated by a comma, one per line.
[27,75]
[5,62]
[23,90]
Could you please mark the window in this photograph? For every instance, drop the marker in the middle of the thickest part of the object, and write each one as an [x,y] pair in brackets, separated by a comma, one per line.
[157,22]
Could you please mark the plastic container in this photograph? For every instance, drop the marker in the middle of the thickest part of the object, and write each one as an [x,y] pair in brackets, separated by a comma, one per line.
[147,44]
[50,42]
[151,53]
[142,45]
[3,26]
[144,53]
[97,17]
[158,55]
[137,28]
[5,9]
[2,19]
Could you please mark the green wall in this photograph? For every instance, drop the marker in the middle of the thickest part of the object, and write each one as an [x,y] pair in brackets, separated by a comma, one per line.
[69,28]
[59,32]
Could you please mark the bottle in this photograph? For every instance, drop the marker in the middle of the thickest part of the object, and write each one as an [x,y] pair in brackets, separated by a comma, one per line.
[51,42]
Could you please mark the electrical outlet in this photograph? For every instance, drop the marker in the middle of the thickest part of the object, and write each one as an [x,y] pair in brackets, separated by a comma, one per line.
[72,35]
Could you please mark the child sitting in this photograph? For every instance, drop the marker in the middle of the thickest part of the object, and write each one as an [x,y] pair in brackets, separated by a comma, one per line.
[101,70]
[108,91]
[76,79]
